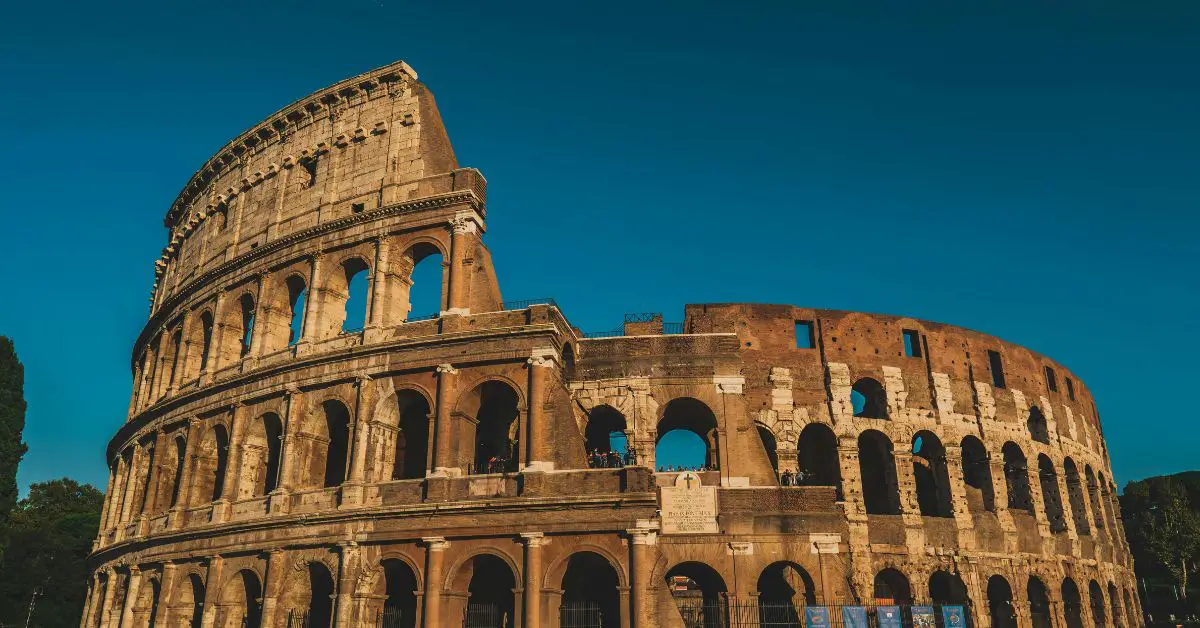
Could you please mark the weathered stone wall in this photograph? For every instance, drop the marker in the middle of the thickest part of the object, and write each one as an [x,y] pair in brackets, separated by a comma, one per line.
[421,463]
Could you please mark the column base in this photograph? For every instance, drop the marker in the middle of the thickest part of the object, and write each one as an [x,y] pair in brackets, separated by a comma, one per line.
[456,311]
[538,466]
[220,511]
[445,472]
[351,496]
[278,502]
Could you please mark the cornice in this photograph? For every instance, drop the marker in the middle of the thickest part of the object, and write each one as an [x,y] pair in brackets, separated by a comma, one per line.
[436,201]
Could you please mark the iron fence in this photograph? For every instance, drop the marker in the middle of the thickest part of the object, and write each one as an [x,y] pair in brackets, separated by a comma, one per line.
[586,615]
[395,617]
[719,613]
[520,305]
[487,615]
[422,317]
[672,328]
[612,333]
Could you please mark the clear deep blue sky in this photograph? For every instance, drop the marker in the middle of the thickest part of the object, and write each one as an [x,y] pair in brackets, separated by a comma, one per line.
[1027,171]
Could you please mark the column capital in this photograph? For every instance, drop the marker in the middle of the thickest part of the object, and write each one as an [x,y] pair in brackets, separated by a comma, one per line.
[446,369]
[362,378]
[464,224]
[435,543]
[534,539]
[291,389]
[729,384]
[642,536]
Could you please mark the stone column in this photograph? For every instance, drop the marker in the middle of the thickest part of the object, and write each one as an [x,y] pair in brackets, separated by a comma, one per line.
[214,344]
[379,283]
[444,463]
[212,586]
[271,584]
[184,490]
[641,541]
[90,603]
[352,492]
[131,473]
[537,454]
[259,332]
[110,586]
[309,329]
[533,578]
[283,485]
[131,594]
[108,492]
[179,356]
[233,463]
[435,549]
[462,232]
[166,593]
[347,574]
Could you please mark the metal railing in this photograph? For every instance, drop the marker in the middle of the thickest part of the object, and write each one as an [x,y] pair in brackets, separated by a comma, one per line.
[487,615]
[721,613]
[422,317]
[668,329]
[395,617]
[587,615]
[520,305]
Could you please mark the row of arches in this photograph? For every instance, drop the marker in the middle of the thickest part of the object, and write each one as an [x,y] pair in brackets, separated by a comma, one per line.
[278,313]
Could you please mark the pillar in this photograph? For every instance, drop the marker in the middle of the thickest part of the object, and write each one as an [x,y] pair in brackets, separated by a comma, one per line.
[131,594]
[347,574]
[127,494]
[233,462]
[166,593]
[352,491]
[461,234]
[284,482]
[533,578]
[379,283]
[108,492]
[641,542]
[537,453]
[312,304]
[271,583]
[260,314]
[184,490]
[443,455]
[91,603]
[110,586]
[212,591]
[435,549]
[214,345]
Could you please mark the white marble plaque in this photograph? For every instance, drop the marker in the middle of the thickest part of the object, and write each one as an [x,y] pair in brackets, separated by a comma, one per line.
[688,507]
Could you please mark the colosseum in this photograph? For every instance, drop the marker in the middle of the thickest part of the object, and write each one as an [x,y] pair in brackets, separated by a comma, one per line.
[304,449]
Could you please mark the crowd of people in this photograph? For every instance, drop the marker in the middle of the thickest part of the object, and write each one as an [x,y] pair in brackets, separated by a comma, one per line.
[787,478]
[598,459]
[680,467]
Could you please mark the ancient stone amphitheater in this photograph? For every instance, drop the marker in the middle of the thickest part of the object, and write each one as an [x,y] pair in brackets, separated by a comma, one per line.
[303,449]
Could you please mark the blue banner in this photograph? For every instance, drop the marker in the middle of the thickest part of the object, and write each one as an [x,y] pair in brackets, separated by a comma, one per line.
[954,617]
[922,617]
[888,616]
[816,617]
[854,617]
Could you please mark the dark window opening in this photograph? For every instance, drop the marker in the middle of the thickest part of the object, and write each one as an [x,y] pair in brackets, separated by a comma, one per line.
[804,335]
[1039,428]
[1051,382]
[880,490]
[206,323]
[337,419]
[1070,388]
[358,207]
[412,441]
[818,457]
[297,298]
[1016,478]
[977,475]
[912,343]
[932,476]
[869,399]
[247,323]
[997,368]
[310,167]
[1051,498]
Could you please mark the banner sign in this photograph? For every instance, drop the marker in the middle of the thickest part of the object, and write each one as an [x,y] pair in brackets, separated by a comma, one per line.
[816,617]
[888,616]
[922,617]
[854,617]
[954,617]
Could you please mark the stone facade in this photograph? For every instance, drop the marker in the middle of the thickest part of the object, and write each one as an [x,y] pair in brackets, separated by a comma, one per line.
[416,470]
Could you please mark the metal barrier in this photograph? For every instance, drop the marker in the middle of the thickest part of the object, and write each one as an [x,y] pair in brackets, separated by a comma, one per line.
[520,305]
[487,615]
[720,613]
[585,615]
[395,617]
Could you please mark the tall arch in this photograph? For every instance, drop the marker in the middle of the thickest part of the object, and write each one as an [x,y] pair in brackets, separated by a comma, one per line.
[783,588]
[260,449]
[297,303]
[1016,477]
[178,460]
[1114,604]
[869,399]
[1039,428]
[1093,490]
[396,590]
[1072,604]
[949,588]
[308,596]
[1051,498]
[818,456]
[977,475]
[246,329]
[490,586]
[1096,598]
[189,602]
[605,431]
[767,439]
[350,293]
[892,588]
[591,595]
[932,477]
[699,593]
[680,416]
[495,432]
[209,466]
[199,345]
[1076,497]
[423,290]
[410,457]
[1039,603]
[880,490]
[240,602]
[1000,603]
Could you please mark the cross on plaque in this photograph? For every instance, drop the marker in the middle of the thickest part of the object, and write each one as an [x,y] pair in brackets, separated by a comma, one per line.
[688,478]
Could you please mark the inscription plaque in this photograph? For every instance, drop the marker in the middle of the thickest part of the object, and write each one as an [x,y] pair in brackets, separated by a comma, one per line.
[689,507]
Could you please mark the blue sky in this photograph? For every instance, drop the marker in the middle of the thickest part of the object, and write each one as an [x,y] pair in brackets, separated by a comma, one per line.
[1027,171]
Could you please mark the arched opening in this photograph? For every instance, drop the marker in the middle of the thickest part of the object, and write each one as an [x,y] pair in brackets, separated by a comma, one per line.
[1072,604]
[869,399]
[783,589]
[932,477]
[684,421]
[178,460]
[297,302]
[398,588]
[590,593]
[1093,489]
[320,608]
[892,588]
[496,429]
[206,333]
[490,594]
[1106,498]
[877,466]
[568,362]
[209,465]
[977,475]
[191,601]
[424,292]
[1131,615]
[1039,603]
[176,343]
[1096,597]
[337,430]
[260,456]
[1075,497]
[412,440]
[1038,428]
[699,593]
[354,312]
[1115,605]
[99,594]
[241,601]
[1000,603]
[947,588]
[146,607]
[769,446]
[247,335]
[1048,478]
[818,456]
[604,435]
[1016,478]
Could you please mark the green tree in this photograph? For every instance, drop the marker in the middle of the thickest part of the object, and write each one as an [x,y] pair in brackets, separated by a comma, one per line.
[46,566]
[1163,524]
[12,423]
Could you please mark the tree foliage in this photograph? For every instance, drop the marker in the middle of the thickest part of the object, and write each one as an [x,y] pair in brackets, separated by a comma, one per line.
[52,532]
[1163,525]
[12,423]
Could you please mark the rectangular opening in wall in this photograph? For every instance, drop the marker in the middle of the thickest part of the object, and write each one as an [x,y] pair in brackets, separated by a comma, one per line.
[804,335]
[1051,382]
[997,368]
[912,343]
[1070,388]
[357,208]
